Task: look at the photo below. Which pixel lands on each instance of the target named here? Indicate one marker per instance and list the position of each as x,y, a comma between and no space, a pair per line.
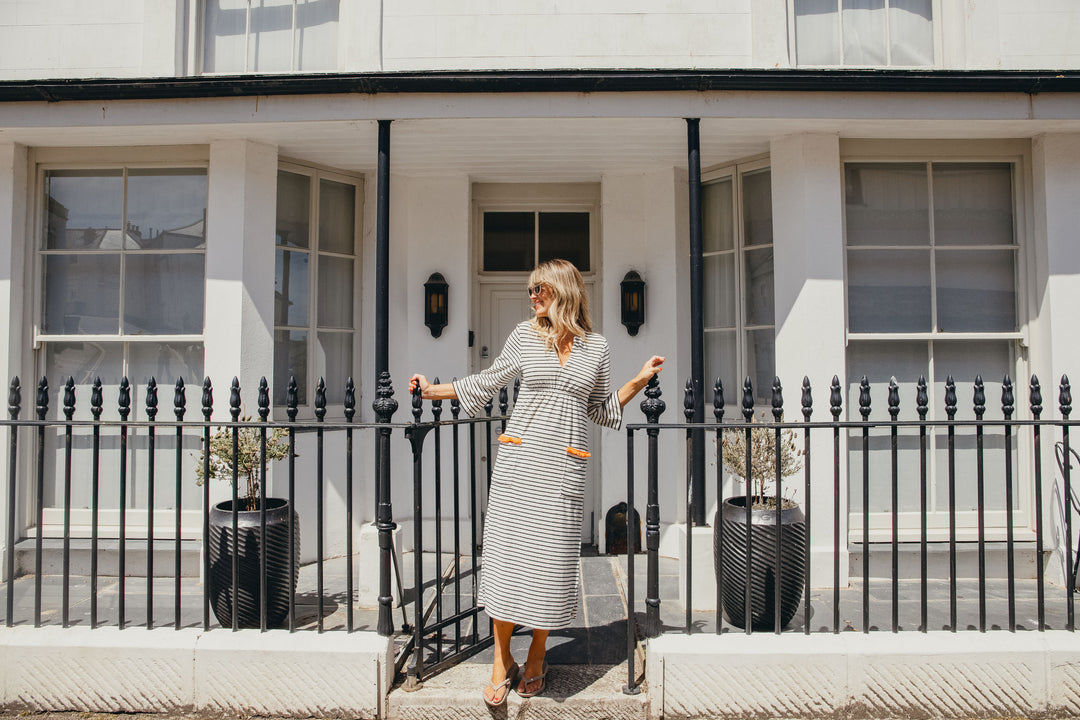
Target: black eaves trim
543,81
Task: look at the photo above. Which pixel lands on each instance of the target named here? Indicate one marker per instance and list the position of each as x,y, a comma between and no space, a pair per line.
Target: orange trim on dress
509,439
578,453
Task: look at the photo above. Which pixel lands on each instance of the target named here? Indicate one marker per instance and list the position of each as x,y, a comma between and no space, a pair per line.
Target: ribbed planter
731,563
279,585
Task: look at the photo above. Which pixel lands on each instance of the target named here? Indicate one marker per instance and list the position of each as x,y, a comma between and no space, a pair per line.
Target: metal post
384,406
652,407
697,332
382,278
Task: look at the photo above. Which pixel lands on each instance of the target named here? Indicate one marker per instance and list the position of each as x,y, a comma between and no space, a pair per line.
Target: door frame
537,197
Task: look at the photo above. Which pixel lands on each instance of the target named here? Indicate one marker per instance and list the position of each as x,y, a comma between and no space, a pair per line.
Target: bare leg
534,665
503,659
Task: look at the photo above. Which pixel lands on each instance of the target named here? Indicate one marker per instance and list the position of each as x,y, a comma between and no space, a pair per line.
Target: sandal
511,675
526,682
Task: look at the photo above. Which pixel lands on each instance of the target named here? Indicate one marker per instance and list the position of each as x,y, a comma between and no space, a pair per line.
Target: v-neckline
569,352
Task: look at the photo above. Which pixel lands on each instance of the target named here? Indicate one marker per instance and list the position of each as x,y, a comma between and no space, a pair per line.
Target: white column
808,249
1055,345
13,241
240,220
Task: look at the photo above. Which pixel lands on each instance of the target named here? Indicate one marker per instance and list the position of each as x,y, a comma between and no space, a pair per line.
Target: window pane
717,210
722,361
965,360
975,290
167,208
163,294
719,296
337,217
224,27
879,362
291,288
973,204
565,235
889,291
886,204
335,292
82,294
911,30
761,364
333,363
290,360
317,34
509,239
758,284
84,362
293,207
864,32
757,208
270,45
166,362
817,32
85,209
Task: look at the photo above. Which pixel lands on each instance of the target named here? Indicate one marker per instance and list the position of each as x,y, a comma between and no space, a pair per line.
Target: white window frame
535,198
1018,154
197,41
334,411
158,158
40,337
733,396
936,9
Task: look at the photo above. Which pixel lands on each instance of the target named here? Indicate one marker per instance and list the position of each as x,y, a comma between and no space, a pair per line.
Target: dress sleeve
475,390
604,408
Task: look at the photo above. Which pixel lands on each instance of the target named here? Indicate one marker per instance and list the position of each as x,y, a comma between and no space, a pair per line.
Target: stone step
591,692
937,560
52,557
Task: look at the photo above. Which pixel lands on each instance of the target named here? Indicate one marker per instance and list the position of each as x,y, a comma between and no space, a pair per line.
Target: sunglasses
535,290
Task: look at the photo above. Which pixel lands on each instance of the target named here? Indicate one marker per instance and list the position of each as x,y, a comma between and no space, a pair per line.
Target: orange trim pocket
578,453
510,439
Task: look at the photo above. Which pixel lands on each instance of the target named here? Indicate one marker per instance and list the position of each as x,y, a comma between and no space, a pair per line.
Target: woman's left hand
652,366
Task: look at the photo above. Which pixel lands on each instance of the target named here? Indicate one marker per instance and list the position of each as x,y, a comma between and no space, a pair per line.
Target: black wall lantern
435,306
633,301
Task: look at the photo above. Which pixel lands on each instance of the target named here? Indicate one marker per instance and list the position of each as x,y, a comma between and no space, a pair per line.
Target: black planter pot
730,563
279,585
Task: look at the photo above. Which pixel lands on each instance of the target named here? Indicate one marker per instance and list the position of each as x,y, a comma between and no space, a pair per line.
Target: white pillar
1055,345
808,250
240,220
13,200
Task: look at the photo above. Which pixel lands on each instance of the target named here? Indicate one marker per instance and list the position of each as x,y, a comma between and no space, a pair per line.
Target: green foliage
763,444
248,457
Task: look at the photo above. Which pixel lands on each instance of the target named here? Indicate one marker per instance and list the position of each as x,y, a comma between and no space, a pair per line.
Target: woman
532,537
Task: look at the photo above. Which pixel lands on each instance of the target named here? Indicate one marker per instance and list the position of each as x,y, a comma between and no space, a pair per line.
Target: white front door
503,305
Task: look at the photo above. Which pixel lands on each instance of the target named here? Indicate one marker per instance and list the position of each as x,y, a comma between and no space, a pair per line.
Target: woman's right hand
419,381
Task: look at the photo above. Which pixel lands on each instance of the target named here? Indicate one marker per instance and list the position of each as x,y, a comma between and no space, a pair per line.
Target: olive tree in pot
236,455
732,535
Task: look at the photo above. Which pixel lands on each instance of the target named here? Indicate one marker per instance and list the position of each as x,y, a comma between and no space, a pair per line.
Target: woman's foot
501,681
533,678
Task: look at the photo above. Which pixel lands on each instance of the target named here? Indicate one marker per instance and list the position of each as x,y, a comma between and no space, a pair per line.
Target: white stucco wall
156,38
808,251
644,219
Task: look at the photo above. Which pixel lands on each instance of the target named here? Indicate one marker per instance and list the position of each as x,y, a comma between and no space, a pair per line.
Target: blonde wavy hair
569,312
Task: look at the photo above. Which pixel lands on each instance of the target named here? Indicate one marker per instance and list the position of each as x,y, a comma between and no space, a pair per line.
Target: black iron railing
857,435
86,446
446,623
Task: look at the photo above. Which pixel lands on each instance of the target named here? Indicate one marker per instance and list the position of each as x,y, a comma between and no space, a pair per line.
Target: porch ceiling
508,149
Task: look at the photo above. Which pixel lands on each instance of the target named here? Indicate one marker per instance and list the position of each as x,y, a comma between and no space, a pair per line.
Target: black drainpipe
697,327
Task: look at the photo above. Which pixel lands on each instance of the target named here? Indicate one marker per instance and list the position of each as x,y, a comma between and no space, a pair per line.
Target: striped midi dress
532,535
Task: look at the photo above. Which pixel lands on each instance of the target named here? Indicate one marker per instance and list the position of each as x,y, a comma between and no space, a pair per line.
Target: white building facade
889,189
